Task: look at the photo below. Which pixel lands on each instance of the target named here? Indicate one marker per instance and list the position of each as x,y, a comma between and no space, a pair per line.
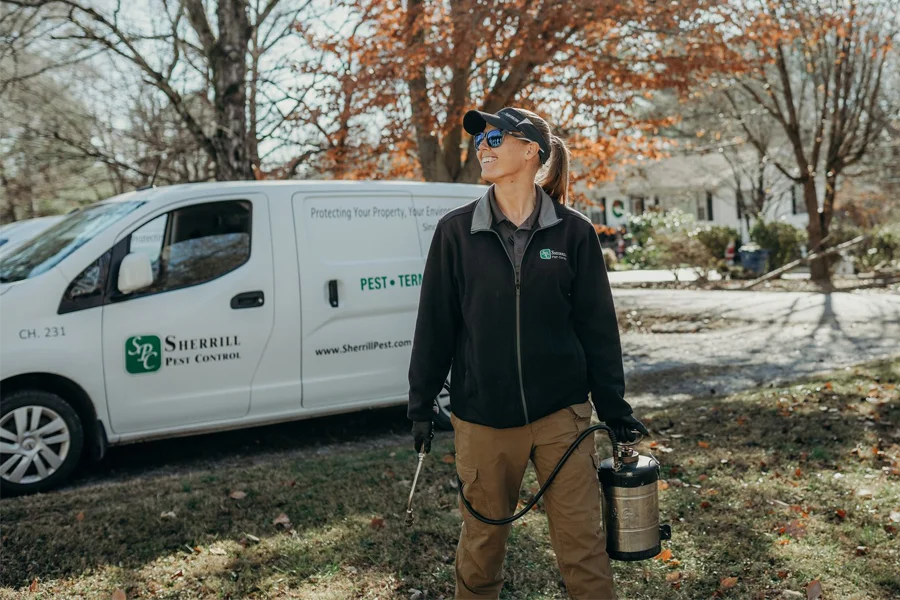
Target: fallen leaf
703,477
662,484
795,529
673,576
703,444
168,515
728,582
253,538
34,585
895,516
841,514
178,573
783,542
813,590
376,523
861,551
705,504
80,516
782,574
449,459
673,563
798,473
238,494
119,594
828,386
864,493
664,555
283,520
217,551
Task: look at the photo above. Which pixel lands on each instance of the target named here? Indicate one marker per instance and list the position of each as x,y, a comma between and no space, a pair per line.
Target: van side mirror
135,272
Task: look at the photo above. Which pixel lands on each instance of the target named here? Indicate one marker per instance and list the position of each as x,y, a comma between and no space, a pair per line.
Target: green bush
641,228
680,248
880,251
782,240
642,257
716,238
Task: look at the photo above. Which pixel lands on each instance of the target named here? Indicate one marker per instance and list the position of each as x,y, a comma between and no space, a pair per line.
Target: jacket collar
482,219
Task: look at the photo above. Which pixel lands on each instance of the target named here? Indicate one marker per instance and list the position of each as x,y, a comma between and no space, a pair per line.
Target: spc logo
143,354
548,254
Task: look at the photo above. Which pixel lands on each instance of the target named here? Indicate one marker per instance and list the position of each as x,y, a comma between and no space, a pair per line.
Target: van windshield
48,248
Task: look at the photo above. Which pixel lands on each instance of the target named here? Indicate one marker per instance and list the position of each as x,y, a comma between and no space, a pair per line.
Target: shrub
880,251
642,257
716,238
609,258
680,248
641,228
782,240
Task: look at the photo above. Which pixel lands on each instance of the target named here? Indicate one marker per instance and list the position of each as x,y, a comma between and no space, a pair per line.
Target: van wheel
40,442
442,415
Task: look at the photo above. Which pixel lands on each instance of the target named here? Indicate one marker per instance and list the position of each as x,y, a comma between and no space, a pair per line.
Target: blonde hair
554,176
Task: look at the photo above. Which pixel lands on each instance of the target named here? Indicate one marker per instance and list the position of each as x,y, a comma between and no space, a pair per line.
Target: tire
51,455
442,415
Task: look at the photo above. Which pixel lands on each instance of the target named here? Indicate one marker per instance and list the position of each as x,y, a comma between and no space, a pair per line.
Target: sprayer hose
540,492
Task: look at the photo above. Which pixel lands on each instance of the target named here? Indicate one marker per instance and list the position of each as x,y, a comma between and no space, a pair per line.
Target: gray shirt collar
499,217
482,217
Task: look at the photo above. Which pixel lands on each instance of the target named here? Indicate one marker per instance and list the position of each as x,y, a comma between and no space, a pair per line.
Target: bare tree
191,52
816,70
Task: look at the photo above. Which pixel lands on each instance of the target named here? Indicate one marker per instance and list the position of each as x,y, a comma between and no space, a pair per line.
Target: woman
515,299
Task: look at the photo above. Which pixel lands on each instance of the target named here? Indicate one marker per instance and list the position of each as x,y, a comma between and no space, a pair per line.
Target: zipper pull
518,287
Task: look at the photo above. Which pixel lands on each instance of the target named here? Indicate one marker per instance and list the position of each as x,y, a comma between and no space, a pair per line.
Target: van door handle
248,300
333,293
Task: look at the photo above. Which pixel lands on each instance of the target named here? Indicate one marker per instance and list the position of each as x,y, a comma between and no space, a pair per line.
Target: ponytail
555,180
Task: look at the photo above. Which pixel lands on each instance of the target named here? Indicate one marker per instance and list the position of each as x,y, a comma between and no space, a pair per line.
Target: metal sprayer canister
631,506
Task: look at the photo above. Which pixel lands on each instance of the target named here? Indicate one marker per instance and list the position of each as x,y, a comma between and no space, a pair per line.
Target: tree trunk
818,267
434,168
229,62
253,137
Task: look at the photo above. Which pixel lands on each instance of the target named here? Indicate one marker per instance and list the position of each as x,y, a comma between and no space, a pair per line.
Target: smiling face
512,158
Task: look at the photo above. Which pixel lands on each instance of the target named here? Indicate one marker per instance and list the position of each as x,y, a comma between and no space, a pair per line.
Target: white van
204,307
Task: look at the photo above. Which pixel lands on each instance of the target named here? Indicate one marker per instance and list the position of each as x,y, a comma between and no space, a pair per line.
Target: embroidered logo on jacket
548,254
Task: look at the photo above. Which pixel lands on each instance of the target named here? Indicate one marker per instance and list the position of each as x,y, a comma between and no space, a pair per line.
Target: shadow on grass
757,484
765,512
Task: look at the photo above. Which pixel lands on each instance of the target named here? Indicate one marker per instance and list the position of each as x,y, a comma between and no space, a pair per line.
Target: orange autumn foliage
402,78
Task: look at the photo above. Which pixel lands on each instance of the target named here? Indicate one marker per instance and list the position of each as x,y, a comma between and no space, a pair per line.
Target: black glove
423,432
623,428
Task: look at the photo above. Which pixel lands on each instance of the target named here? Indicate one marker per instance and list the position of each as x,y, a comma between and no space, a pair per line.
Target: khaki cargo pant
491,464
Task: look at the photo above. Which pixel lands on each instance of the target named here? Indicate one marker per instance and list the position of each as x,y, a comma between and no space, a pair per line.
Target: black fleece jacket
519,350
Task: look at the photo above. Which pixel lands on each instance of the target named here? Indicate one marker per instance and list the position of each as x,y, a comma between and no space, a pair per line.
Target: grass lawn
767,492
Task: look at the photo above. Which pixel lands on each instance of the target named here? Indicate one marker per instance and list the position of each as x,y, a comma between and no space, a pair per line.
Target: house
702,185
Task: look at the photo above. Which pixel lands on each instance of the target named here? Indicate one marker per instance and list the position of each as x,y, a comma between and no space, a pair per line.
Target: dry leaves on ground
813,590
728,582
282,520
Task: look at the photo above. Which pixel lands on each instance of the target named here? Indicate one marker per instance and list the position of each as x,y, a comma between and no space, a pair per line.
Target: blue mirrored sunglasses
494,137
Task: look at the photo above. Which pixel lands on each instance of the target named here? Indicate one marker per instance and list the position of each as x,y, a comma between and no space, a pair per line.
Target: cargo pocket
583,410
582,414
471,487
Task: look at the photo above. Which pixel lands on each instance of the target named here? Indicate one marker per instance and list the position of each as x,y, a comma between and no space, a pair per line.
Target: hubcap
34,443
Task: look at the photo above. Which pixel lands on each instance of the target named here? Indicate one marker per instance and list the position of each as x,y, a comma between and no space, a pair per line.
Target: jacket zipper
518,274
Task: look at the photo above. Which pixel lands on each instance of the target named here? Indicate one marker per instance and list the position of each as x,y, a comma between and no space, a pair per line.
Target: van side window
88,289
195,244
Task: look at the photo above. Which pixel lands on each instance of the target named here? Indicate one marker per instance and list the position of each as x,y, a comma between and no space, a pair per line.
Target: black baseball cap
509,119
